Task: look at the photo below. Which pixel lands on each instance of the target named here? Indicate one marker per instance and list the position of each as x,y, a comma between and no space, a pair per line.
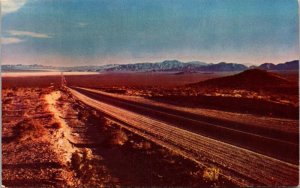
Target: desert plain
150,129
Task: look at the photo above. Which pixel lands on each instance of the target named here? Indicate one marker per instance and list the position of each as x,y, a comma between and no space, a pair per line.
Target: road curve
243,166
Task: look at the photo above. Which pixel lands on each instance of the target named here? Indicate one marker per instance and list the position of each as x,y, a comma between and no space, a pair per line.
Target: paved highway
246,157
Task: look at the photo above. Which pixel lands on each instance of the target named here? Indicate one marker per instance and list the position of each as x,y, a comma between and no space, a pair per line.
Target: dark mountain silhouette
223,67
291,65
249,79
267,66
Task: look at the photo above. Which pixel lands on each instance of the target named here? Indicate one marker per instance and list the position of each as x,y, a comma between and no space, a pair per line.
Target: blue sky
95,32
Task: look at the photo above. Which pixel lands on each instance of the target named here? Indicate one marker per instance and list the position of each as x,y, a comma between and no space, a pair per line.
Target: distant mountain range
165,66
175,65
291,65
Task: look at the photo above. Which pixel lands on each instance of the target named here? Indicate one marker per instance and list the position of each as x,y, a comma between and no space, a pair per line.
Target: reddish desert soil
139,79
267,99
171,88
108,79
30,81
49,139
28,154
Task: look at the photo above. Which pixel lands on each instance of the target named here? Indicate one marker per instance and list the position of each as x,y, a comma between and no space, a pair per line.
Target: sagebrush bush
28,129
211,173
82,164
55,125
116,138
146,145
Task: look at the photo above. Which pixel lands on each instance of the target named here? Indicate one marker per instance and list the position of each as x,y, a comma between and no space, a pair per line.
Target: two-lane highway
193,138
283,146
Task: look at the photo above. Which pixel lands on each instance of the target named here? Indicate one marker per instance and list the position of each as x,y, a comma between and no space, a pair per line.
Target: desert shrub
61,98
211,173
82,164
116,138
39,107
7,101
146,145
28,129
86,154
55,125
75,106
92,117
38,90
83,115
95,113
76,160
10,94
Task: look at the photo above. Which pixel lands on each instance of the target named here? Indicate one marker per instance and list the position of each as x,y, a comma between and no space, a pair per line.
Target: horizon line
152,62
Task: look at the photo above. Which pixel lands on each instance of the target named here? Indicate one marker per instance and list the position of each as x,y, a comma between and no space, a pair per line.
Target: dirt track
243,166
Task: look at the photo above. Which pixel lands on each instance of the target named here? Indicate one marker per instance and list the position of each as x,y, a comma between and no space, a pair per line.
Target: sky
97,32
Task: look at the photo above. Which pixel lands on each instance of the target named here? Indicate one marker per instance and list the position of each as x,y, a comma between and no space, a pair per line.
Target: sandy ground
52,140
63,134
29,155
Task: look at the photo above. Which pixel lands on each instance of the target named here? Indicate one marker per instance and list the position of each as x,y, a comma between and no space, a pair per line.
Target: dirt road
245,167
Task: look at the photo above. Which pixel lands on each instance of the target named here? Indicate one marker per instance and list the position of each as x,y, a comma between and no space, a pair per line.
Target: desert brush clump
83,115
211,174
82,164
28,129
10,94
61,99
116,138
7,101
144,145
55,125
94,118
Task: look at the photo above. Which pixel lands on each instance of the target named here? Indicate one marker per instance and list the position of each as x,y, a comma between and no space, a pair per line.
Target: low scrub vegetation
211,174
116,138
82,163
55,125
28,129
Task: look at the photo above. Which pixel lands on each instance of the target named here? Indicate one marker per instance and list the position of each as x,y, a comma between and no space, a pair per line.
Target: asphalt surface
253,158
270,142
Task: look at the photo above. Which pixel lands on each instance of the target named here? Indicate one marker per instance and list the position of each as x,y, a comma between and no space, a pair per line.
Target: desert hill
249,79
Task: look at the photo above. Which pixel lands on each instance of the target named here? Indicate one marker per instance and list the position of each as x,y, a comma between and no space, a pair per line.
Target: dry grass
9,94
29,129
144,145
117,138
76,160
211,174
7,101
